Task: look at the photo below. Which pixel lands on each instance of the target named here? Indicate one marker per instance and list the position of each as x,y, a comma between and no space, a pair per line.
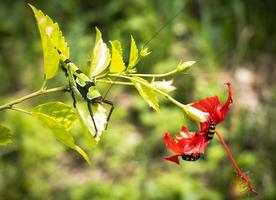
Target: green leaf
117,64
100,56
57,111
59,117
146,92
100,118
51,38
133,57
5,136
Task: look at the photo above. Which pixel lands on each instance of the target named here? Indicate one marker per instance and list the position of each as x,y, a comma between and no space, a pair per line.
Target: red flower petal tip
172,159
214,107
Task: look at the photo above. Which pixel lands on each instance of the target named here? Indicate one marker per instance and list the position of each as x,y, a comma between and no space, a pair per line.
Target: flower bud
183,66
144,52
195,113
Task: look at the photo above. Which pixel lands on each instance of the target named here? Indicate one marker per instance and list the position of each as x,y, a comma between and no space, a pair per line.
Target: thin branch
115,82
20,110
32,95
156,75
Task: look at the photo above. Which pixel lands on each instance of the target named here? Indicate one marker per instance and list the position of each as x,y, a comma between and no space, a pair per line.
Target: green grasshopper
81,85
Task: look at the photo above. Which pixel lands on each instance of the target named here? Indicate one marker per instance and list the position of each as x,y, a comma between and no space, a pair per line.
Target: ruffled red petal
185,143
208,104
229,101
196,145
172,144
214,107
172,159
184,133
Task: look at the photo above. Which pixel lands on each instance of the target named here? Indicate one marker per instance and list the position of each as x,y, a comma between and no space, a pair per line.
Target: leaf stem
156,75
20,110
44,84
115,82
32,95
240,173
153,88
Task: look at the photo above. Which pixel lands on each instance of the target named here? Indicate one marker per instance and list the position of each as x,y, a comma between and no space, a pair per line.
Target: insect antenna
164,26
146,44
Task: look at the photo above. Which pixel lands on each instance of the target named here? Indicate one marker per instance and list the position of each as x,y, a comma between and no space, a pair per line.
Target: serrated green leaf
100,56
117,64
100,118
147,93
133,57
59,117
51,60
59,112
5,136
51,38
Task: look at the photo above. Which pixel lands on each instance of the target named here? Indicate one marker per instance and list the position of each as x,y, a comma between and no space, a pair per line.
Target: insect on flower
191,145
188,145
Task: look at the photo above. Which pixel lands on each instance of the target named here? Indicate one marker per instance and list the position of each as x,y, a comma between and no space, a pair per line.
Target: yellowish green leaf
51,38
100,56
61,113
5,136
59,117
133,57
117,64
146,92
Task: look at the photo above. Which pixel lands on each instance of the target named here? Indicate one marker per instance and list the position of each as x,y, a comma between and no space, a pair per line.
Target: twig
32,95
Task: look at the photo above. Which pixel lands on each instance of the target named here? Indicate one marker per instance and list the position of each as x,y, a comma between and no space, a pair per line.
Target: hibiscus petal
184,133
229,101
197,145
172,144
208,105
214,107
172,159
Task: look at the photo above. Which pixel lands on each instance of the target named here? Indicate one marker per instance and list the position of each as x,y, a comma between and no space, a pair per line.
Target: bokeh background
230,40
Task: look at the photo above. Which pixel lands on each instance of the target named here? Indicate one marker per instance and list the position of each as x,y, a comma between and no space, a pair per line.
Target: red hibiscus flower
191,145
214,108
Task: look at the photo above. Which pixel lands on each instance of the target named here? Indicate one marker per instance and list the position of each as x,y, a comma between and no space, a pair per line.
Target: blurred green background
230,40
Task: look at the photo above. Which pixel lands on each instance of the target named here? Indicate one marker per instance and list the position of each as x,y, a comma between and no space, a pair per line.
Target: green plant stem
153,88
44,84
21,110
115,82
32,95
156,75
101,76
